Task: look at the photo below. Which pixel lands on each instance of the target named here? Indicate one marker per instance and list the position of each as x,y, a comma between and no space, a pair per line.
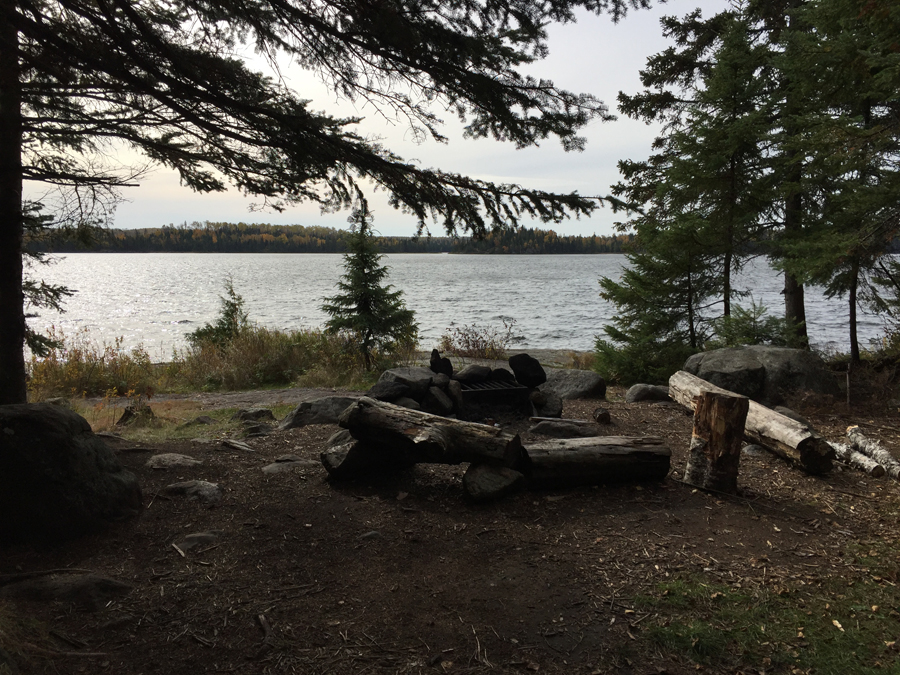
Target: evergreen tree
82,79
371,313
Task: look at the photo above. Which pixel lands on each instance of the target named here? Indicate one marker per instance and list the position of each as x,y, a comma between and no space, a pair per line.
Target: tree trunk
423,437
859,461
874,449
716,441
593,461
854,337
12,315
787,438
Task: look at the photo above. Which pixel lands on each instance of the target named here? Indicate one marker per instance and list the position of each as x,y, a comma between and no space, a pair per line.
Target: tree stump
716,441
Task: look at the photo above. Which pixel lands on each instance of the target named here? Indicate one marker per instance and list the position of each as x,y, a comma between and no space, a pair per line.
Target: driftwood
873,449
716,441
787,438
592,461
857,460
423,437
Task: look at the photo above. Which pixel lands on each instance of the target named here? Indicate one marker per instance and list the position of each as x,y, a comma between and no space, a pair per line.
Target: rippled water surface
155,298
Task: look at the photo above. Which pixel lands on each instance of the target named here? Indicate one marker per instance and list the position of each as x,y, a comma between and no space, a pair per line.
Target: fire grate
494,392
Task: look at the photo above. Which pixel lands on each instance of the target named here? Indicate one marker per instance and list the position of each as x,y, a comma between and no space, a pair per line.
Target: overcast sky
593,55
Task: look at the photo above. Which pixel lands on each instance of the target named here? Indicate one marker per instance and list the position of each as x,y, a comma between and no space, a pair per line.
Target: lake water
155,298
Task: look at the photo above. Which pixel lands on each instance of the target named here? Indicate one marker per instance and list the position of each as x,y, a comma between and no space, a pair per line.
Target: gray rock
564,429
454,391
87,591
388,391
171,460
237,445
254,415
502,375
546,403
437,402
646,392
200,419
289,463
765,374
195,490
410,403
325,410
571,384
472,373
486,483
753,450
528,370
787,412
57,479
417,378
440,380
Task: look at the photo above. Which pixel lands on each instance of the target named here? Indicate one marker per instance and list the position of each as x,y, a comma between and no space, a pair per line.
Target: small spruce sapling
372,314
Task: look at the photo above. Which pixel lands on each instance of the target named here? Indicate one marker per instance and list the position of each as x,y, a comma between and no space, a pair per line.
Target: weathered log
857,460
787,438
593,461
423,437
716,441
872,448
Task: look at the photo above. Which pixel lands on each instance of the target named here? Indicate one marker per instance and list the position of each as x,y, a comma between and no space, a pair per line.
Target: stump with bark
716,441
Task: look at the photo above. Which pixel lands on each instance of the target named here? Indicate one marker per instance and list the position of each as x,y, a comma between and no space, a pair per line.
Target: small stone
486,483
198,539
170,460
647,392
254,414
195,490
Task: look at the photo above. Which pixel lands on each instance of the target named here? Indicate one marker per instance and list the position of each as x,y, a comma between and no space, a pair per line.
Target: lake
155,298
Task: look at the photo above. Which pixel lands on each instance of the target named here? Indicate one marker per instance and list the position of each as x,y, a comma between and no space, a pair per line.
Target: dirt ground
403,574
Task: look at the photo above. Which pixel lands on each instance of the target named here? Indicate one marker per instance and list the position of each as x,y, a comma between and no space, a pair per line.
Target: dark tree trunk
12,316
854,338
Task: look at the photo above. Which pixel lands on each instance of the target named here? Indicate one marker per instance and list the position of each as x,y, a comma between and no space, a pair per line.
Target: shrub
489,342
751,326
78,366
231,323
646,361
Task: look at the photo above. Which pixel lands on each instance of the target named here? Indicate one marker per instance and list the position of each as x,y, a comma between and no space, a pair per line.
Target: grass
170,422
255,358
830,626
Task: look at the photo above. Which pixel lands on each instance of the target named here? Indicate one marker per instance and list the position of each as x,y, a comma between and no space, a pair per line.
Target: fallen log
571,462
787,438
422,437
873,449
715,453
857,460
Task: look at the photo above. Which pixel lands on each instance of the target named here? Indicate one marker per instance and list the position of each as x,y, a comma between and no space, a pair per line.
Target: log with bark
593,461
787,438
857,460
716,441
874,450
422,437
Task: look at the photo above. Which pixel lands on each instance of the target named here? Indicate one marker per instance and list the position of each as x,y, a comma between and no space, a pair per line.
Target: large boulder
768,375
325,410
417,378
571,383
57,479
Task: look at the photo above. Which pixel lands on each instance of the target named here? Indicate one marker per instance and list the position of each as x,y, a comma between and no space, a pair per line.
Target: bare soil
403,574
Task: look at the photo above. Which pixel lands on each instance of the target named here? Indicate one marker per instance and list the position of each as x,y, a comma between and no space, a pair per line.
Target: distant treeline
254,238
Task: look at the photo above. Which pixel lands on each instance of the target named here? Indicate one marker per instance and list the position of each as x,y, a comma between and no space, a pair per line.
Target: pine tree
82,79
370,312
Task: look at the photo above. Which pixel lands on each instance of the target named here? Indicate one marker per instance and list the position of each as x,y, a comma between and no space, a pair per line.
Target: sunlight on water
155,298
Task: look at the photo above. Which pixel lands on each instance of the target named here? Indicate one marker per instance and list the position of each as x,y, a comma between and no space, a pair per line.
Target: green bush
231,323
752,326
645,361
477,342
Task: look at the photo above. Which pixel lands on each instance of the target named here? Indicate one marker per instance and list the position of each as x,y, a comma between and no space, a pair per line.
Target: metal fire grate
494,392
